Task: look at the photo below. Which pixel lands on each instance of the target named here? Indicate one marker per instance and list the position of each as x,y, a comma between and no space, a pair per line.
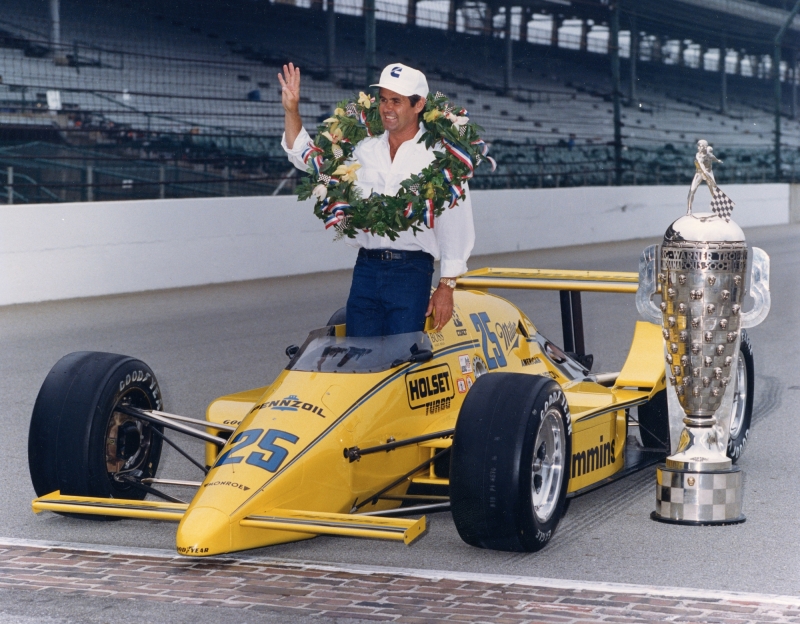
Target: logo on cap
395,73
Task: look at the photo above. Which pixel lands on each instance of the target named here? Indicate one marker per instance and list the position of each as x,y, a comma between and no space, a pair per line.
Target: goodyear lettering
191,550
238,486
289,404
594,458
427,386
231,422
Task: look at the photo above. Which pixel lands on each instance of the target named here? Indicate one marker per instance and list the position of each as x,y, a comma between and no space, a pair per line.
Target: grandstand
180,99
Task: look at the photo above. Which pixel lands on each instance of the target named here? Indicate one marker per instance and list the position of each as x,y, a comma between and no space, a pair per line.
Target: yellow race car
487,418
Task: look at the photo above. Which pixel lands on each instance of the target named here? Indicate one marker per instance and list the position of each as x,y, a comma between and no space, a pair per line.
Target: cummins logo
428,385
594,458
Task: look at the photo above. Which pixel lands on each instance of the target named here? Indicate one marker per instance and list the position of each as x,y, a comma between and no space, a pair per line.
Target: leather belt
394,254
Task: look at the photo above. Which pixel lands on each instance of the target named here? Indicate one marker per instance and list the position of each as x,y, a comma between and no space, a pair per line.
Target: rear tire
77,442
510,460
742,409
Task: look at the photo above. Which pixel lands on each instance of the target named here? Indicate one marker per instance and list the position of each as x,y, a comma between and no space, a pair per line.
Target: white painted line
433,575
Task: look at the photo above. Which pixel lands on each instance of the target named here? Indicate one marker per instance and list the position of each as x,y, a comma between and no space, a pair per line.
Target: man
390,292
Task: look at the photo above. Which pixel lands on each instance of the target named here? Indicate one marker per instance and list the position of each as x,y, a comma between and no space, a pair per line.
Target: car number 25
276,454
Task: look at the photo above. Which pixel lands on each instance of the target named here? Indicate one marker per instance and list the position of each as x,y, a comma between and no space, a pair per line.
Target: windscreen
324,353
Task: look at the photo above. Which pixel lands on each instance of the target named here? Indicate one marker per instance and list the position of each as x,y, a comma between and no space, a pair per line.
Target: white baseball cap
403,80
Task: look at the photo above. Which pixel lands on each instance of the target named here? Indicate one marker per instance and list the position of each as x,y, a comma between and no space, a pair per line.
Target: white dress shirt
453,234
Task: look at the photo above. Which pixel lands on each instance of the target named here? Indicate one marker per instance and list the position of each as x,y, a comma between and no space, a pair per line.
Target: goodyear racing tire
77,442
510,461
742,410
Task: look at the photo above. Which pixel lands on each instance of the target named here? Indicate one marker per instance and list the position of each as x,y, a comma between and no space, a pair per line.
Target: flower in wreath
348,172
432,115
364,100
457,120
320,192
334,135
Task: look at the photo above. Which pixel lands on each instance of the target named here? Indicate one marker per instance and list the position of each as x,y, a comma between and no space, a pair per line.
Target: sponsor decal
465,363
290,404
231,422
457,320
238,486
490,343
436,337
439,405
469,382
462,386
429,387
192,550
594,458
508,332
461,332
530,361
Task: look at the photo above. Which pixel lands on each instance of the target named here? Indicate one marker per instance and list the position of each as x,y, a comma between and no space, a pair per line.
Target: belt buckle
387,255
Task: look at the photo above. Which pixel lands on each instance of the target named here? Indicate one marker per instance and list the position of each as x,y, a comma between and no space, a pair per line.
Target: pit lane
208,341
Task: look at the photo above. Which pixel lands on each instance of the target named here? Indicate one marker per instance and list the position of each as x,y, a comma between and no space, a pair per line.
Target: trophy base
698,498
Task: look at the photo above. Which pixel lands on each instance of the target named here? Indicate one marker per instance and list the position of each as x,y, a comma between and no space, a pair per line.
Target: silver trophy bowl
700,272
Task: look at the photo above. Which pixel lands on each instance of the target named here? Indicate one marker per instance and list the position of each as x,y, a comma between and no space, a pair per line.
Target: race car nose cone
204,531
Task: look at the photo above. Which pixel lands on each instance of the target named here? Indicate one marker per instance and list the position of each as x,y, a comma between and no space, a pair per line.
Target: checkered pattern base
698,497
721,204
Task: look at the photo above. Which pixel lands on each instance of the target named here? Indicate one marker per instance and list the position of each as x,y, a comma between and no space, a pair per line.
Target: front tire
510,460
78,443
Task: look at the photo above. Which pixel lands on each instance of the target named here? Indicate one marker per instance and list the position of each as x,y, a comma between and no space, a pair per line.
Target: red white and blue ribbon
316,161
461,154
337,205
337,213
362,117
484,149
428,213
408,212
455,189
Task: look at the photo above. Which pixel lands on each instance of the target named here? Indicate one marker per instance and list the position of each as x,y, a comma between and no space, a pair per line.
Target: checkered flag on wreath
721,204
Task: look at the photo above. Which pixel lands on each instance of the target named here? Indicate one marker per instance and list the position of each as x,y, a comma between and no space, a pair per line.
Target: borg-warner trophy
700,272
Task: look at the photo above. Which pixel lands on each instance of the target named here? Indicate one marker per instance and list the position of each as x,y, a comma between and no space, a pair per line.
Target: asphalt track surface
208,341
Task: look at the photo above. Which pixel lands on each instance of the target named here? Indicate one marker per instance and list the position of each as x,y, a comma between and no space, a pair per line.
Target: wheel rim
547,466
739,397
128,440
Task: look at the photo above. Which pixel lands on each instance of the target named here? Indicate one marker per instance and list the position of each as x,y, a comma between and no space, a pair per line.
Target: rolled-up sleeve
455,235
295,152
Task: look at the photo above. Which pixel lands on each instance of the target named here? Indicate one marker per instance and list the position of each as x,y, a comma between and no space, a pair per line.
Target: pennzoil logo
594,458
431,388
290,404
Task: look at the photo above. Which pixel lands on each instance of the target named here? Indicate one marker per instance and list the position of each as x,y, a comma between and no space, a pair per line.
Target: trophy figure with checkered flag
700,271
721,204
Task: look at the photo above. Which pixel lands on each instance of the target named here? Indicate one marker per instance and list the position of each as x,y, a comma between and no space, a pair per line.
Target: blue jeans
390,292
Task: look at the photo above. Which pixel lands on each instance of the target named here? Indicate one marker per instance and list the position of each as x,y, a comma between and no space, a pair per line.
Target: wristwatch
448,282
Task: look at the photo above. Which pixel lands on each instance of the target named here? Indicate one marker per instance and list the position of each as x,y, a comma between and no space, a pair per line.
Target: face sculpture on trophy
700,271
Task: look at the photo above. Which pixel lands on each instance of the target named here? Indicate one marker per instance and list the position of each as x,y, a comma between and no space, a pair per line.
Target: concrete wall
58,251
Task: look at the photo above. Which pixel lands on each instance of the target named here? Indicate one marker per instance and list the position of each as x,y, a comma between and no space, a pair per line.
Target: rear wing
550,279
569,283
